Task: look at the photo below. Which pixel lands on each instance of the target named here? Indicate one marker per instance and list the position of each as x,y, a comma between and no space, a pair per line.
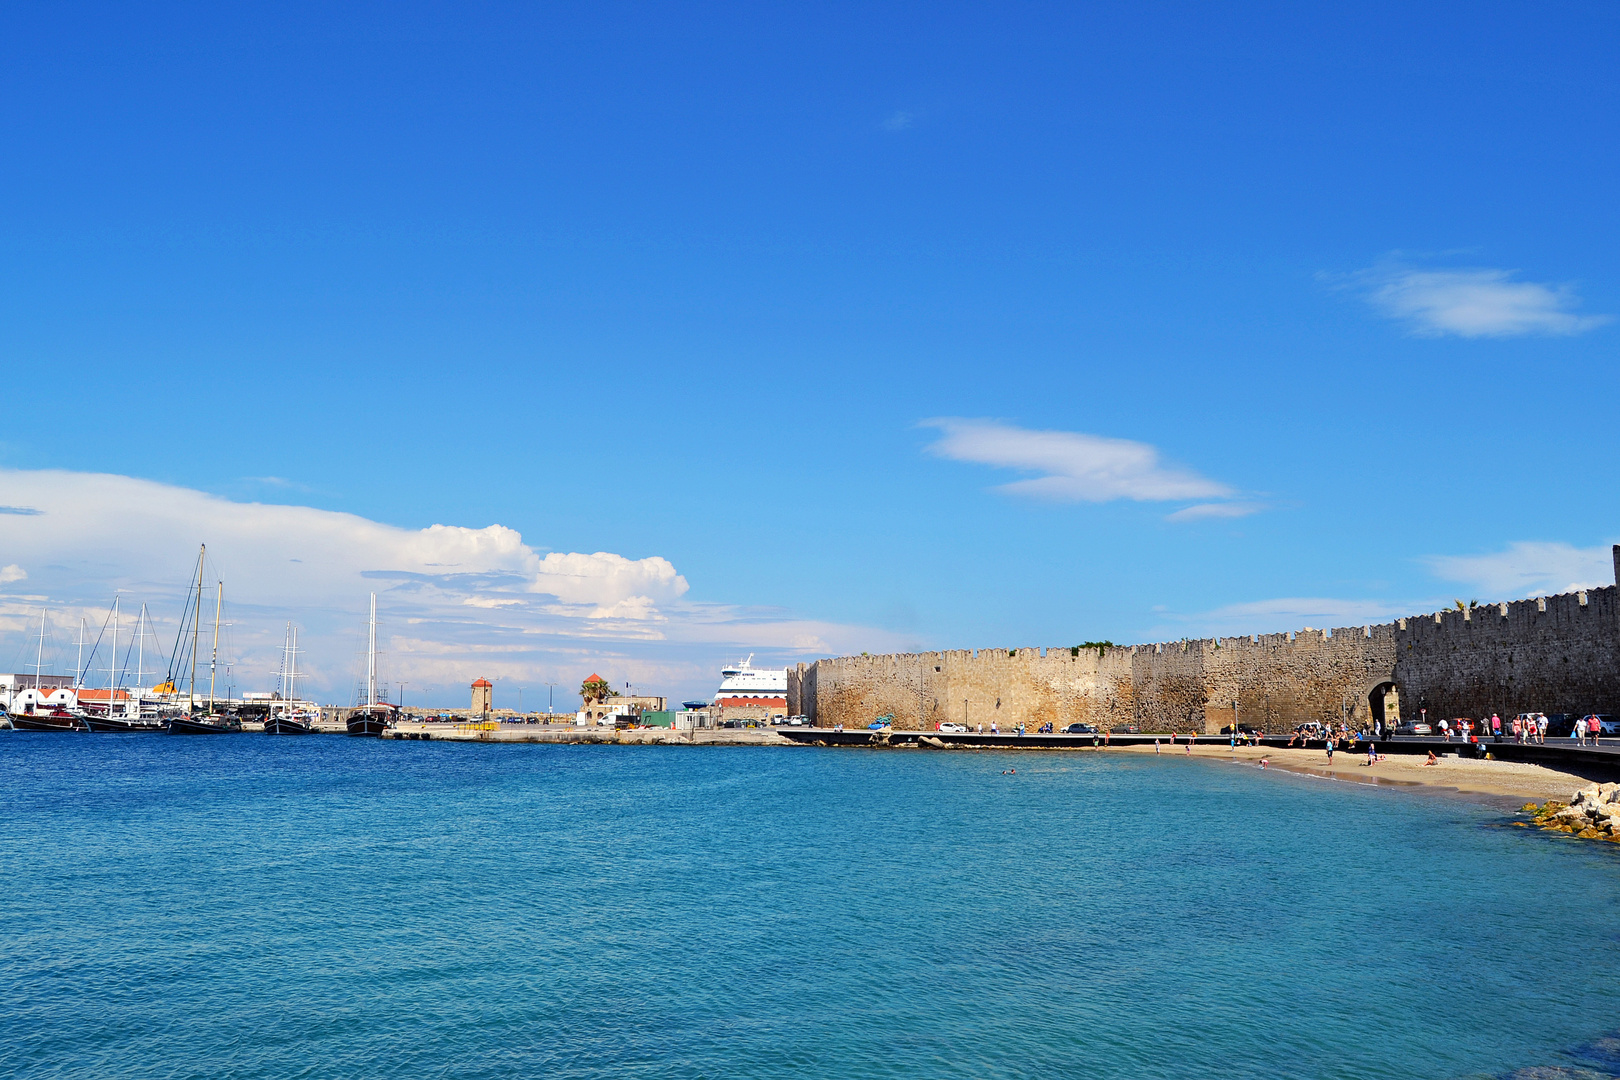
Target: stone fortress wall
1552,654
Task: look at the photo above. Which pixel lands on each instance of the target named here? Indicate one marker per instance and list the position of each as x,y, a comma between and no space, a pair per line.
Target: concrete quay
572,734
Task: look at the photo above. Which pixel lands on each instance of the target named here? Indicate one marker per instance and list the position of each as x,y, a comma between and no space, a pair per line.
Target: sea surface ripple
250,906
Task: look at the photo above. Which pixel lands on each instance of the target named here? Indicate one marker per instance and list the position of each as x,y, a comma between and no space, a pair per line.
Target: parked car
1127,729
798,721
953,729
1414,727
1080,729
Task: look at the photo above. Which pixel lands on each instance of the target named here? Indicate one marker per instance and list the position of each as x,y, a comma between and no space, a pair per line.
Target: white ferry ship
744,684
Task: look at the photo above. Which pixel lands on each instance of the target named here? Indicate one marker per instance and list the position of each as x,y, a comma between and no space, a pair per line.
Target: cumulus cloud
1529,568
1075,467
456,603
1472,302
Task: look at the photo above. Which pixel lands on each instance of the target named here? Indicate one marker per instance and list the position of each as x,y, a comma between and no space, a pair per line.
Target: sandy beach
1500,780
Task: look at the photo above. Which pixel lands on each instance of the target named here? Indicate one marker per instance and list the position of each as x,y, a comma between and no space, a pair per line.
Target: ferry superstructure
744,684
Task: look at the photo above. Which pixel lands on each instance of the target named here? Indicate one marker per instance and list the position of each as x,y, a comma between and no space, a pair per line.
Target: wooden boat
289,721
121,723
286,724
54,720
372,721
373,718
204,725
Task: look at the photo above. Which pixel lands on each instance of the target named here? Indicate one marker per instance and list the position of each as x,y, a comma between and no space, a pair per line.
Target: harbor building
482,695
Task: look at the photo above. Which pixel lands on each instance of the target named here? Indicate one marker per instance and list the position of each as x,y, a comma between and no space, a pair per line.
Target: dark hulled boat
54,720
286,725
204,725
371,721
121,724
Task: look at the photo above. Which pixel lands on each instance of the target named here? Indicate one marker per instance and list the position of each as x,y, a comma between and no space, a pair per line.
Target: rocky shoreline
1593,814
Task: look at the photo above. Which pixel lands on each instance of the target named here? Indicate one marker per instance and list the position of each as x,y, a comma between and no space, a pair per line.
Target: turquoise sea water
249,906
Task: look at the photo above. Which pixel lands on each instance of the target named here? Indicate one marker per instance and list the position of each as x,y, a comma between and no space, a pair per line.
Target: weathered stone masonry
1552,654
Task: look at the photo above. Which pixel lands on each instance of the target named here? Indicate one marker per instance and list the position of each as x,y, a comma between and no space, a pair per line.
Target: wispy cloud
20,511
456,603
898,120
1207,511
1076,467
1278,615
1471,302
1529,568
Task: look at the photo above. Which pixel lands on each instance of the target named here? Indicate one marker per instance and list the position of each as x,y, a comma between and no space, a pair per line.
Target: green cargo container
666,718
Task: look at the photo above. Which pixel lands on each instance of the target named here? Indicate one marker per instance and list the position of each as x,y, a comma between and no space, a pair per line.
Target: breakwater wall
1549,654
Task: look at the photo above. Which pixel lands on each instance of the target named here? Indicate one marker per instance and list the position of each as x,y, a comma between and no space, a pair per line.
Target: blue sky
786,298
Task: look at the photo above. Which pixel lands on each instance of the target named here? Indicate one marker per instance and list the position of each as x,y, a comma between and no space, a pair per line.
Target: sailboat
209,723
103,719
288,721
372,718
36,715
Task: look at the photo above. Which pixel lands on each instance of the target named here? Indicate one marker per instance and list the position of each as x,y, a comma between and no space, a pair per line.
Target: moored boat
52,720
204,725
121,723
286,724
371,721
374,717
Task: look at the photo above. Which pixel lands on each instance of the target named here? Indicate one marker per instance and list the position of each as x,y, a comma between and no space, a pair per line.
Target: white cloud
1473,302
1204,511
11,573
898,120
1529,568
1080,468
455,603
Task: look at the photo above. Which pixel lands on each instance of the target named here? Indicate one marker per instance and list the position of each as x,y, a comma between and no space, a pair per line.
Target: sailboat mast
140,647
292,668
196,630
78,667
371,658
213,657
112,664
39,660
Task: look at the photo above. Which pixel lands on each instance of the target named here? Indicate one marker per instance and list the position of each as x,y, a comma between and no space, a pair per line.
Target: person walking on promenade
1541,729
1496,726
1595,726
1516,733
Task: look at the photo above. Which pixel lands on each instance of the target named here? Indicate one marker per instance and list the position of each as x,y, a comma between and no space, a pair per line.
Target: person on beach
1372,753
1156,749
1432,759
1189,745
1330,750
1262,763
